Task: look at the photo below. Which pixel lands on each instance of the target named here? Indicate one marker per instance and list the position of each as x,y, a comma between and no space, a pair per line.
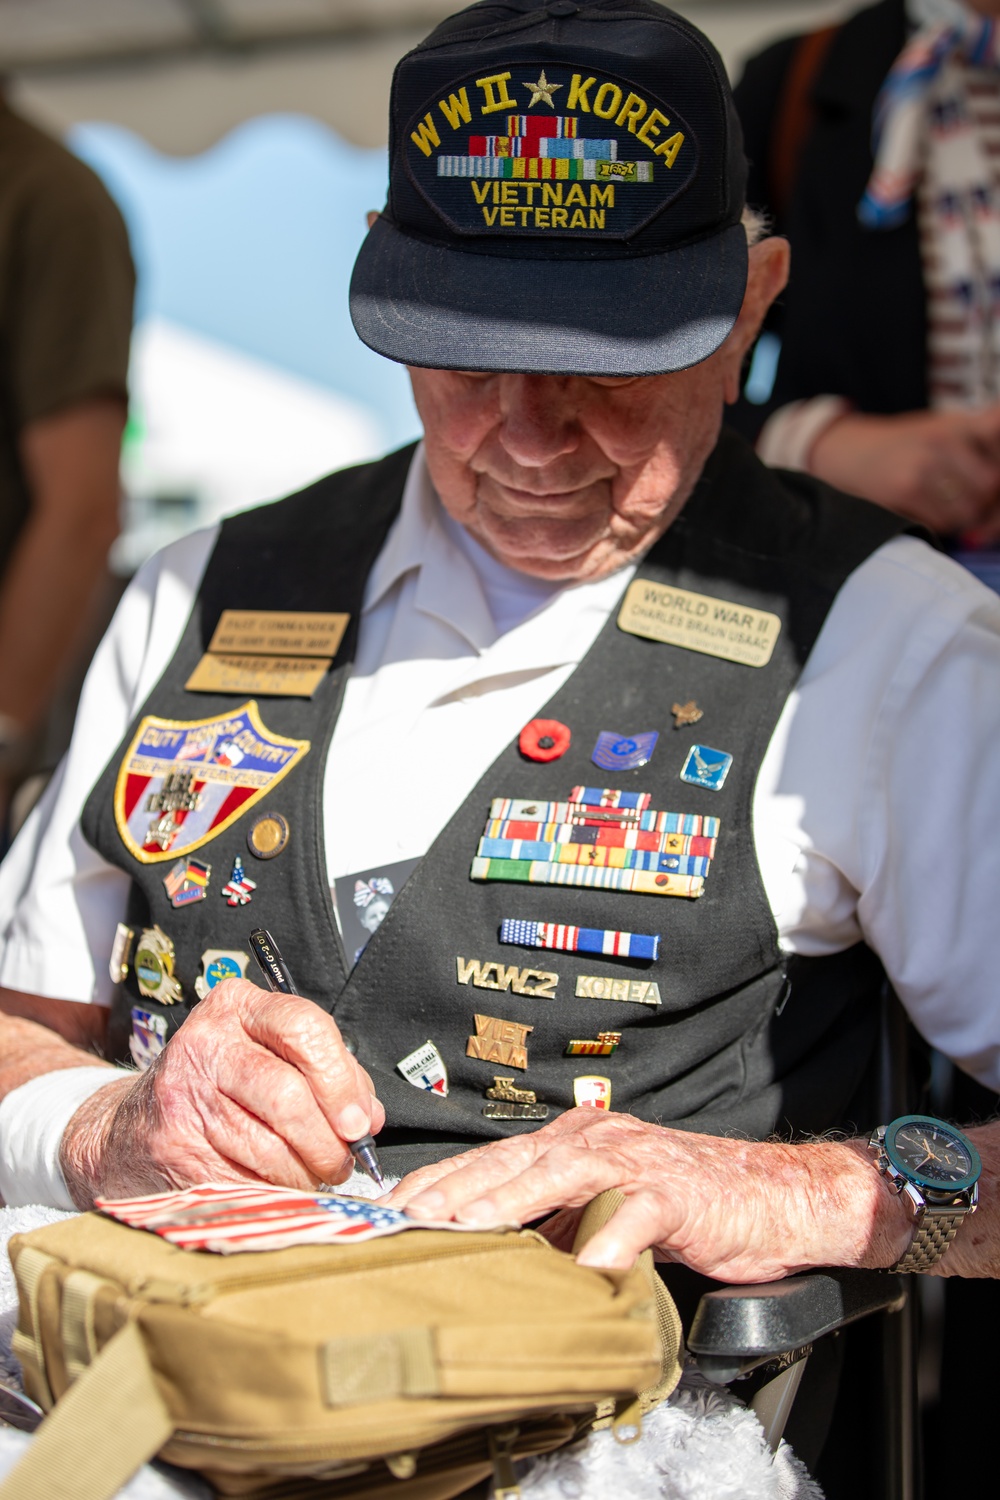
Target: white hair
756,224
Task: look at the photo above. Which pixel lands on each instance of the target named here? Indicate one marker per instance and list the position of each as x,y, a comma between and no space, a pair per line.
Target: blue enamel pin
706,767
623,752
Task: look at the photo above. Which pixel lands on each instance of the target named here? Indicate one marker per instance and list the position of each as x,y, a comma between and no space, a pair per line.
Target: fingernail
426,1205
352,1123
484,1210
602,1260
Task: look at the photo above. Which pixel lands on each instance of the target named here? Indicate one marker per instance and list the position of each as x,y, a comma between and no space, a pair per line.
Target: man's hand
253,1087
939,468
735,1210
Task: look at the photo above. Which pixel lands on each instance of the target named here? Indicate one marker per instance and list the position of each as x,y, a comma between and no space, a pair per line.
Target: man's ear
767,277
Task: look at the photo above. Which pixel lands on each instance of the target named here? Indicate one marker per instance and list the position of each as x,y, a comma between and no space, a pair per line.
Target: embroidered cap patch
548,149
182,782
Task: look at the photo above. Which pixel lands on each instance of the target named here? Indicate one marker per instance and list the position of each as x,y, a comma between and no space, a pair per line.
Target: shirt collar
448,588
447,585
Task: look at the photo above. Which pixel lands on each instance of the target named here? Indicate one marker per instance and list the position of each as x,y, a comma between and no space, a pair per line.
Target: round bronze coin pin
268,835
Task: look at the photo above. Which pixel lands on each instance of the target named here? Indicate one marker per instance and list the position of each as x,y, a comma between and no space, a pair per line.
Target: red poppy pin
544,739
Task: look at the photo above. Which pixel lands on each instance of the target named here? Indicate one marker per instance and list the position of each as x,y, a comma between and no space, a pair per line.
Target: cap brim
449,309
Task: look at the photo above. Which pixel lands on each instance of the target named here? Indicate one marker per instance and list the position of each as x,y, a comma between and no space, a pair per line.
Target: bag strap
107,1425
794,117
594,1217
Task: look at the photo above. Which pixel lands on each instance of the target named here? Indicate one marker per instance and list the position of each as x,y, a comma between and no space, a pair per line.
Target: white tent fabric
226,61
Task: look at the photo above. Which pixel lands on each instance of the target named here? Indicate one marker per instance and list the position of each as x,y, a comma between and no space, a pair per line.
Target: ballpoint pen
278,978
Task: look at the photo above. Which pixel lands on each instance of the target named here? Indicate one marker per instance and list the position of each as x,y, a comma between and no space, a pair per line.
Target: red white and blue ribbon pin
567,939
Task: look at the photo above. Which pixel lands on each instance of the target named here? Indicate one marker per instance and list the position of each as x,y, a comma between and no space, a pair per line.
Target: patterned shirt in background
963,367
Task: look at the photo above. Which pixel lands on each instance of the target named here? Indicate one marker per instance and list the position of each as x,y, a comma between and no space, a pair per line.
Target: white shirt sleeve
787,437
878,803
60,901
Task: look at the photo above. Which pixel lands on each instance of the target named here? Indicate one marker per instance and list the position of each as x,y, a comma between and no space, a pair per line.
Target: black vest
745,1041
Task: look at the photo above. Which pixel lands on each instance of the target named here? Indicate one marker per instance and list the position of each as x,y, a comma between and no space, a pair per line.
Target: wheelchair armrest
740,1327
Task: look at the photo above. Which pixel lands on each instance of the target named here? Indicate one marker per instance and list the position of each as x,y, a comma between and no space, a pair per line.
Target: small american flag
227,1218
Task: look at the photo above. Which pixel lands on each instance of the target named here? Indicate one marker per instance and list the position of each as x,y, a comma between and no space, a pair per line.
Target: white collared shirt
875,812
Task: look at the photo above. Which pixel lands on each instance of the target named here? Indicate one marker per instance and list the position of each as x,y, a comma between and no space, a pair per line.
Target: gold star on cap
686,713
543,89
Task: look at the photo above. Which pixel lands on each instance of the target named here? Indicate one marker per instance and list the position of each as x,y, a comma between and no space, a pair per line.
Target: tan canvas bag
412,1366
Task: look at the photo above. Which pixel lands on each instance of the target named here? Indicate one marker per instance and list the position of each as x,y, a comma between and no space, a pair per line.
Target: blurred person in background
888,381
66,289
875,147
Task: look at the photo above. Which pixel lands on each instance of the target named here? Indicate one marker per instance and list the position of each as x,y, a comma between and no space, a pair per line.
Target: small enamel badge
187,881
154,967
623,752
592,1090
425,1069
544,739
706,767
606,1043
121,952
268,835
148,1039
238,889
509,1103
686,714
218,964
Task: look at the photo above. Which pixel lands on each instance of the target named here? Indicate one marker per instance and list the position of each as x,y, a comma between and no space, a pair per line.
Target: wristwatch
937,1168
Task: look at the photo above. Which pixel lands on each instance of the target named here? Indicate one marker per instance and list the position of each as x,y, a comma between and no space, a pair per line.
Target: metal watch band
936,1232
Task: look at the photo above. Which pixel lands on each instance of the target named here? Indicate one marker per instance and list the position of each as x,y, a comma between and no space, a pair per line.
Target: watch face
932,1154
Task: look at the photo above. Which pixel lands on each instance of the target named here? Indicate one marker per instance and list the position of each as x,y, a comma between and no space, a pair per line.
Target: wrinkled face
567,477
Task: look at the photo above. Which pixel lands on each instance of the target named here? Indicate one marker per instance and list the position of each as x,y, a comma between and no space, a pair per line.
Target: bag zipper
462,1444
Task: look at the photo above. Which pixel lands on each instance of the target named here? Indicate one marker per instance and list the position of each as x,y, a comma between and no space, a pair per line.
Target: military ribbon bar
594,855
595,877
604,837
592,796
554,935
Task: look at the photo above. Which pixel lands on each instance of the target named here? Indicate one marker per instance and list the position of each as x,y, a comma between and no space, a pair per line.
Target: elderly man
676,745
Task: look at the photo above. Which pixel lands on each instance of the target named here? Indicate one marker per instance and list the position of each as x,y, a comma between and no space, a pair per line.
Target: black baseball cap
566,183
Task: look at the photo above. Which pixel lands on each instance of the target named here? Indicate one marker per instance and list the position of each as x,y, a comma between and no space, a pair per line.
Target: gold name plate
280,654
251,632
699,622
271,676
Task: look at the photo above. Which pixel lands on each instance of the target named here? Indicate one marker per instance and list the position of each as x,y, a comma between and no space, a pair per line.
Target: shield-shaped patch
182,782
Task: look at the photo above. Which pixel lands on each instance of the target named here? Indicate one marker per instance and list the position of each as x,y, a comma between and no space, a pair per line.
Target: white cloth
32,1120
874,814
787,438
